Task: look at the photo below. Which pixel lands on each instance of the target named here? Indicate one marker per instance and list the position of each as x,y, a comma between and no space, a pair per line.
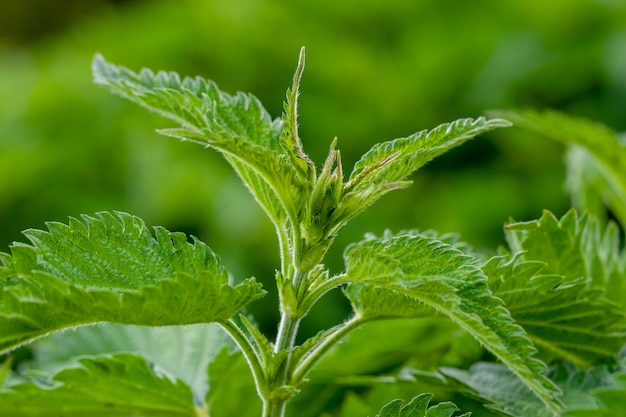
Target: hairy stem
283,244
250,354
285,341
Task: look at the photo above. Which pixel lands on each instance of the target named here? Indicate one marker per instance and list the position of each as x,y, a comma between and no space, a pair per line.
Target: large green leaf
420,275
231,381
111,269
237,125
203,356
606,147
121,385
182,352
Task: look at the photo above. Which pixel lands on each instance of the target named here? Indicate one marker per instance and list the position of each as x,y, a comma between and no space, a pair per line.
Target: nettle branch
112,269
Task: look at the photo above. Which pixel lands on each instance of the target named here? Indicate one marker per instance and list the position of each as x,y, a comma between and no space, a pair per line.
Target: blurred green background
376,70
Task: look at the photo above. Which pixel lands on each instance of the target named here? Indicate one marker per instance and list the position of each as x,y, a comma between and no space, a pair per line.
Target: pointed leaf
428,274
237,125
604,145
290,140
575,248
558,284
387,165
120,385
418,407
111,268
195,103
555,242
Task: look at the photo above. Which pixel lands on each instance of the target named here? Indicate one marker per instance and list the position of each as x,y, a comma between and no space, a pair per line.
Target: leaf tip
98,65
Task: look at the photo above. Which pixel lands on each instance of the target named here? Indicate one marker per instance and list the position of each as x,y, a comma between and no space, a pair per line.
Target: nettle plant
541,308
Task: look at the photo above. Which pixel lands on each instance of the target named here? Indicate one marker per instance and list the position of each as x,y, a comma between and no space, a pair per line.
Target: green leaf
575,248
564,318
418,407
498,388
4,370
501,391
354,406
417,274
555,242
611,401
195,103
290,140
182,352
386,165
232,390
586,182
236,125
123,385
111,269
605,146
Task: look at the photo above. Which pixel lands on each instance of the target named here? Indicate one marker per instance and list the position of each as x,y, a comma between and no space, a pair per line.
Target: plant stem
283,244
287,330
285,341
249,353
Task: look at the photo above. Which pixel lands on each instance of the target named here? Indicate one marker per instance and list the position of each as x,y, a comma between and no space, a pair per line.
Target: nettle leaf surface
501,391
355,406
565,319
418,407
119,385
181,352
564,283
236,125
606,147
110,268
386,165
409,275
576,248
268,155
